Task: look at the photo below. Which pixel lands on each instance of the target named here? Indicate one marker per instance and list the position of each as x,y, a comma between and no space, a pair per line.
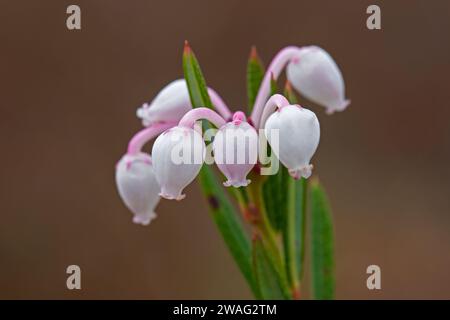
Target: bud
171,103
178,155
137,186
299,134
235,150
314,74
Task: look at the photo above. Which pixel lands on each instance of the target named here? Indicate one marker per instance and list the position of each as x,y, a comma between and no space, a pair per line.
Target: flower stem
276,66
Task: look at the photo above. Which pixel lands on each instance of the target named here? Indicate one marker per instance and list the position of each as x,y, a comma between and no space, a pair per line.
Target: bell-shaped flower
298,133
314,74
137,186
171,103
235,149
178,155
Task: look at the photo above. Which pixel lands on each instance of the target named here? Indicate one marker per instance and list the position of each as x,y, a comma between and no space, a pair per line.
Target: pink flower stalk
235,150
312,72
172,103
179,152
299,134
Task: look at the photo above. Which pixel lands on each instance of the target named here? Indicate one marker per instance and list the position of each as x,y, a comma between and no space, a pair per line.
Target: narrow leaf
268,279
289,93
221,209
198,91
294,227
275,186
228,223
322,245
255,74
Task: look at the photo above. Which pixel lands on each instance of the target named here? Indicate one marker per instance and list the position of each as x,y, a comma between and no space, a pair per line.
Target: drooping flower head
235,150
178,155
298,131
314,74
137,186
179,152
173,102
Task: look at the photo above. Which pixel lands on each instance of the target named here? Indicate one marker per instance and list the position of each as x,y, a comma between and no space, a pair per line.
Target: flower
137,186
235,150
314,74
171,103
299,134
178,155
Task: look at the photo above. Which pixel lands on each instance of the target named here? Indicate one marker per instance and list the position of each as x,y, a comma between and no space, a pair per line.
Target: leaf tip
187,47
288,86
253,53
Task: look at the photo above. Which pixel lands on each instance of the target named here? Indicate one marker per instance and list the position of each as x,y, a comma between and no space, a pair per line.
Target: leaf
301,192
269,282
295,218
198,91
221,209
228,223
275,197
322,245
255,75
289,93
275,186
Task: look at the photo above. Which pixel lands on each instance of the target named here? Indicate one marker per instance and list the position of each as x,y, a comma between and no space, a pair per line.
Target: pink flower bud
178,155
171,103
235,150
137,186
314,74
299,134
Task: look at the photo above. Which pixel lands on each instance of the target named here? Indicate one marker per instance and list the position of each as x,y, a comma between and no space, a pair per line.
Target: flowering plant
272,198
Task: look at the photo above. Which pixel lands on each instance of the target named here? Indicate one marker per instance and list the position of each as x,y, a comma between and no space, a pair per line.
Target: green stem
294,235
302,236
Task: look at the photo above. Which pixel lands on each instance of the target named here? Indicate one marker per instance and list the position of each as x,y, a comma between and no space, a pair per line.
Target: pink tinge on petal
172,195
302,172
237,183
144,218
238,117
339,107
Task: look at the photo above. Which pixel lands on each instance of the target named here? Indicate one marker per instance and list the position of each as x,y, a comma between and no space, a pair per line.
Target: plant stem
302,236
289,238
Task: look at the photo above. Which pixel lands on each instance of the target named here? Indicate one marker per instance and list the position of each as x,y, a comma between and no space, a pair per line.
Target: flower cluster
179,150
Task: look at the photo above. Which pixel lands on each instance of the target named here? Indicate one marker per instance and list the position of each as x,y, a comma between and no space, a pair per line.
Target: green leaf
275,186
275,197
198,91
228,223
270,284
289,93
301,192
273,85
221,209
255,75
321,244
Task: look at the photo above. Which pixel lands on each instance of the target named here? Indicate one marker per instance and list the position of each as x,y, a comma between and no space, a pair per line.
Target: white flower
171,103
178,155
235,150
314,74
137,186
299,134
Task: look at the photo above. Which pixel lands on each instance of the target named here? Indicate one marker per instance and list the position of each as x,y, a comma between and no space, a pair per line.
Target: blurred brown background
68,101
